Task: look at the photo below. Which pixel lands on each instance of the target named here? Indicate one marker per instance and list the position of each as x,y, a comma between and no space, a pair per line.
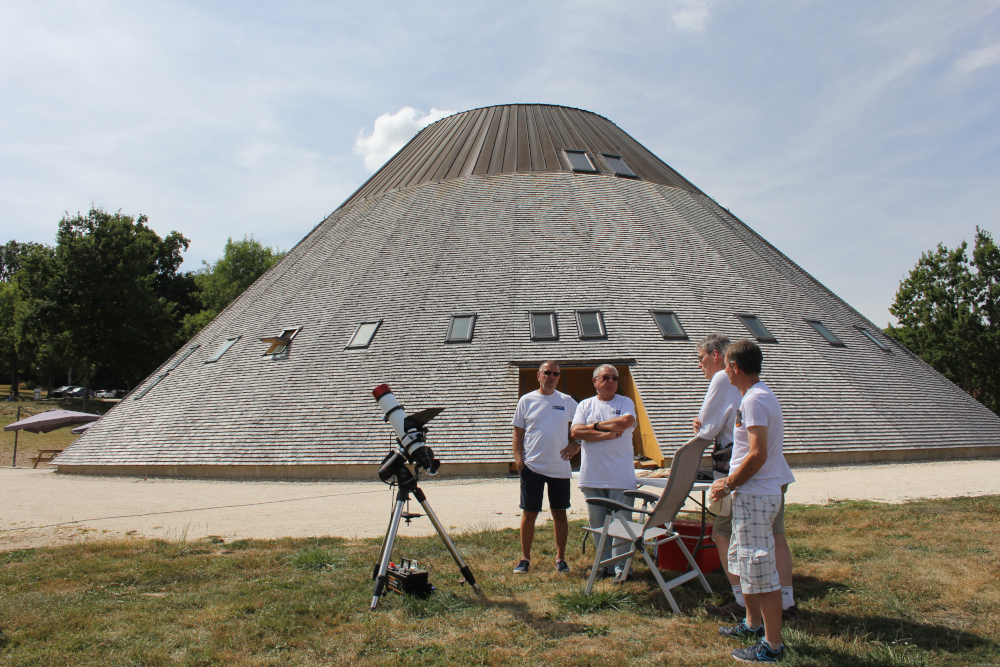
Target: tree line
107,304
948,313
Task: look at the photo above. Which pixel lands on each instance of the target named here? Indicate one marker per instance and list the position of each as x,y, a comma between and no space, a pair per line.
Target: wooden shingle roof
412,252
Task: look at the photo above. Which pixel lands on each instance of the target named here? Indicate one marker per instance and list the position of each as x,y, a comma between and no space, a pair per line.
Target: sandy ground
42,508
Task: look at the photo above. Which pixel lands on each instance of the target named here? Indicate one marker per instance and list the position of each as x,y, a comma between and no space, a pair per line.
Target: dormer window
280,343
580,161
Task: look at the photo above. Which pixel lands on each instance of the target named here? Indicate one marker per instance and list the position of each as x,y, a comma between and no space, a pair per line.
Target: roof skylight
757,328
830,337
590,324
226,344
870,336
618,166
460,328
669,324
543,325
363,335
580,161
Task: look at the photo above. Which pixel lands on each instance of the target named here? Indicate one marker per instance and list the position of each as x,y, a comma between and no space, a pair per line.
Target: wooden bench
44,456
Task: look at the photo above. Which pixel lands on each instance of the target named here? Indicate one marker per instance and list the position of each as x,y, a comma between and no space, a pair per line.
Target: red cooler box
669,556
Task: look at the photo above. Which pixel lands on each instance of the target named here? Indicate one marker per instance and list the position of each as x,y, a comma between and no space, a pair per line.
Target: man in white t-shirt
542,450
604,423
716,420
757,473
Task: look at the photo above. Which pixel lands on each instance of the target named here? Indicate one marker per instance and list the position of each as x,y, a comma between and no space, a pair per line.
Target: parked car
77,392
63,392
107,393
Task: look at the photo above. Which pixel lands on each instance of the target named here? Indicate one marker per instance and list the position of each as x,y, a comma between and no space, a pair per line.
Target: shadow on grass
926,636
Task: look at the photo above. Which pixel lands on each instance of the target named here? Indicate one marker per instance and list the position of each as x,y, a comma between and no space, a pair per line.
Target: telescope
410,431
411,447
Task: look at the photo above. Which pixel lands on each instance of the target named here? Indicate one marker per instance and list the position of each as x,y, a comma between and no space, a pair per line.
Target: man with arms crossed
542,451
715,421
605,423
757,472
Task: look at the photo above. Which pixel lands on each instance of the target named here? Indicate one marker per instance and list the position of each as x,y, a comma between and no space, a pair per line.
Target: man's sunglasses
554,374
609,378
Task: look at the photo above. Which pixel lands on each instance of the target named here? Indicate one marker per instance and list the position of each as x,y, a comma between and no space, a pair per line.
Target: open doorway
577,381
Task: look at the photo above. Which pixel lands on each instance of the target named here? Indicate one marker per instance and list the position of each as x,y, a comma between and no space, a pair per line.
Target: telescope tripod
407,485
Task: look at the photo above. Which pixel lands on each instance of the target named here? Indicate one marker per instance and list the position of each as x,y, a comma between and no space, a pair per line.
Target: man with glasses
758,472
542,450
604,423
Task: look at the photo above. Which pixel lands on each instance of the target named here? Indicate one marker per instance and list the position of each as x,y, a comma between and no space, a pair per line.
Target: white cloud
390,133
984,57
691,15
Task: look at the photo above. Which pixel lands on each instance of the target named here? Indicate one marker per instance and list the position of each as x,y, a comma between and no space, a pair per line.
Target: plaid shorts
751,549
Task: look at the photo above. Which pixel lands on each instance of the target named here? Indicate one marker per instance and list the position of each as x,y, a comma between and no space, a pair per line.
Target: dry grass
878,585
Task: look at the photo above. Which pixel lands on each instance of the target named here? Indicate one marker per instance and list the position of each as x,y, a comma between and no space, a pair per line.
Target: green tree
15,354
949,315
104,293
242,263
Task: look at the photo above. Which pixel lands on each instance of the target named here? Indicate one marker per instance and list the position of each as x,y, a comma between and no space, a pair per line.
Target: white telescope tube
395,415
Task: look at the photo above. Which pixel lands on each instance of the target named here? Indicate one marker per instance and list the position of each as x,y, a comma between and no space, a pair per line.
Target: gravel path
41,508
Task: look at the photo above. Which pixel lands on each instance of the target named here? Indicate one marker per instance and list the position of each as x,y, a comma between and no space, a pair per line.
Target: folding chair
619,528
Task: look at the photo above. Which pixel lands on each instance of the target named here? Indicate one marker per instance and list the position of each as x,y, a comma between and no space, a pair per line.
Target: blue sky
852,135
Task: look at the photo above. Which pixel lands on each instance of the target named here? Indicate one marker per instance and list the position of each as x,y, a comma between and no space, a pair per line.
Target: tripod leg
383,566
462,567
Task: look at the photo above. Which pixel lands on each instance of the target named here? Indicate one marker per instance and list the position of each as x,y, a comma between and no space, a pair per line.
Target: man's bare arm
750,465
585,432
518,443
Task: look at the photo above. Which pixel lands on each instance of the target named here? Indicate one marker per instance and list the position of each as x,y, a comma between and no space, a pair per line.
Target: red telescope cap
380,391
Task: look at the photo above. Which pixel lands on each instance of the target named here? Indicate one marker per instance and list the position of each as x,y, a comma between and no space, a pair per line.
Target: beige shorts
723,525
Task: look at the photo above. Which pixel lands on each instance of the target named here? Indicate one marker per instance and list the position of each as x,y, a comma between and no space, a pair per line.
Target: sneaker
728,609
621,578
742,631
759,652
562,567
522,567
791,614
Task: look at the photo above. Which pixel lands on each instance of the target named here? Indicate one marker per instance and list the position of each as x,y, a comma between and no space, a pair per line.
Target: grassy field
912,584
29,443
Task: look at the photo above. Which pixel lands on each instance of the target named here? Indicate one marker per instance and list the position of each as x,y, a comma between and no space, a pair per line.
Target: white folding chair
620,529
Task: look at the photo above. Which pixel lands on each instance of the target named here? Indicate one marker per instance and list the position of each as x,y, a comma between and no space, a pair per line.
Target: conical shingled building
498,238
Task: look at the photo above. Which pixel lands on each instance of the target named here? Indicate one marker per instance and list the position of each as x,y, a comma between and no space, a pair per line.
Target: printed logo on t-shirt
616,413
559,407
739,417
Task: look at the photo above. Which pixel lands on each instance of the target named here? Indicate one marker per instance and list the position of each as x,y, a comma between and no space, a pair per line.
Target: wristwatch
598,429
728,489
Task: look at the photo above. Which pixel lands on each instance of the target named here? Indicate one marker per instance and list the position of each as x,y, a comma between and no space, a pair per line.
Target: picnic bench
44,456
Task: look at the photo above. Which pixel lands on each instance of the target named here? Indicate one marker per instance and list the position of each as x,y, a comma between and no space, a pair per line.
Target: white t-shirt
545,420
606,464
718,410
760,407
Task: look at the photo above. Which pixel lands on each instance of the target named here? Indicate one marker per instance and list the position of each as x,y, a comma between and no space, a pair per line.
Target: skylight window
590,324
826,333
280,343
364,334
226,344
580,161
757,328
543,325
618,166
868,334
669,324
177,362
460,329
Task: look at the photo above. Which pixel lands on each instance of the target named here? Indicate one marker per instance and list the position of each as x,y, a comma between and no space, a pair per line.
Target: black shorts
532,486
